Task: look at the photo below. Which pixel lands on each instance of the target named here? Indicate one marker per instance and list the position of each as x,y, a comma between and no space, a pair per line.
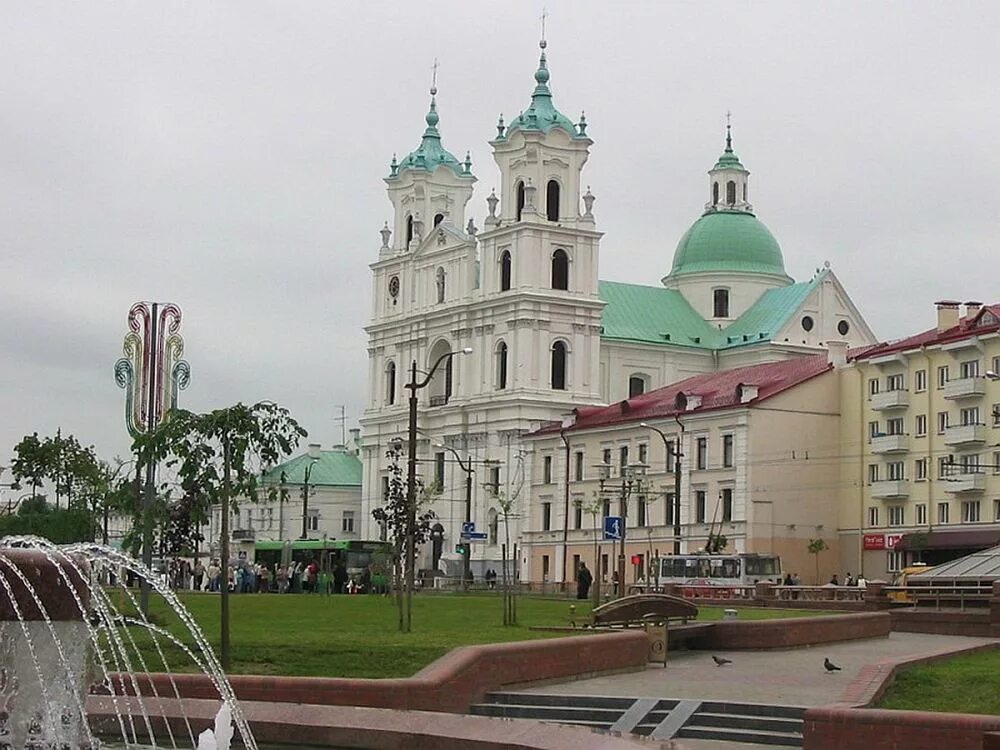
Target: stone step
738,735
742,721
576,701
752,709
582,715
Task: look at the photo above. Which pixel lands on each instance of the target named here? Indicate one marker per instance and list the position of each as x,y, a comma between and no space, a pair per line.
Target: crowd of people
248,577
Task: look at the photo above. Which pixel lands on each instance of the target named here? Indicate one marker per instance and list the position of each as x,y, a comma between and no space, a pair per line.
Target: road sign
468,527
614,527
475,536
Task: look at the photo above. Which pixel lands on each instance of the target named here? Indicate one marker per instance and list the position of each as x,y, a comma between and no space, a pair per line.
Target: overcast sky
229,156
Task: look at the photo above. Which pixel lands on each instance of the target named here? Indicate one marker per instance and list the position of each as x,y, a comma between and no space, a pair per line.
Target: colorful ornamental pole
152,371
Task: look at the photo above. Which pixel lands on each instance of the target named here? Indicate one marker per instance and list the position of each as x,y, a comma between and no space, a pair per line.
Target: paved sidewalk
790,677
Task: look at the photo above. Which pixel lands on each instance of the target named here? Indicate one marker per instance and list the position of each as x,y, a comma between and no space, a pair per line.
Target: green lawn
967,684
357,636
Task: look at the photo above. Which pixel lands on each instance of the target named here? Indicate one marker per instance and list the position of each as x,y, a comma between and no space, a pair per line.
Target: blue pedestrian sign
468,527
614,527
474,536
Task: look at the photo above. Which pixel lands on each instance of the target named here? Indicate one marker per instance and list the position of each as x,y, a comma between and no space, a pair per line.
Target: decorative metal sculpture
152,371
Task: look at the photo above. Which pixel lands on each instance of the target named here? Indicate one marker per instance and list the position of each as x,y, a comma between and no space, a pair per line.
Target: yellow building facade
920,445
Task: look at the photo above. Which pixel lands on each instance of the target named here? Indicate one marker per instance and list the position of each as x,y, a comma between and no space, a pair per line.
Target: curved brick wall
842,728
791,632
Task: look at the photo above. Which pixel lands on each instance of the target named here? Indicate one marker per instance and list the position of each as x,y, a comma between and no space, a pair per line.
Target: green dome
728,241
430,154
542,114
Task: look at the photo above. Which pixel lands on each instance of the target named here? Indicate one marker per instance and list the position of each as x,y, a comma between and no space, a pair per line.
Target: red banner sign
874,541
891,540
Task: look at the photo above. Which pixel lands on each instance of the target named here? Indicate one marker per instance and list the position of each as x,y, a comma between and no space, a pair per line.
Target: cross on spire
729,132
434,77
544,15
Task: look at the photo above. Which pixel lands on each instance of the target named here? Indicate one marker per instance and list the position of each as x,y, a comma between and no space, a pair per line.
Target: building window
494,484
970,368
921,509
313,520
996,510
873,430
996,462
347,522
671,455
872,473
942,421
576,566
643,453
807,323
606,508
727,504
995,411
501,365
920,468
519,191
547,470
505,271
727,451
970,463
559,366
552,202
578,515
546,516
920,425
640,513
390,383
622,459
715,194
894,561
970,511
731,193
439,281
894,382
873,386
720,302
920,380
894,426
702,453
942,376
409,229
943,513
606,457
439,470
843,327
578,466
636,385
896,515
969,416
560,270
699,506
385,489
896,472
669,507
545,568
873,516
944,466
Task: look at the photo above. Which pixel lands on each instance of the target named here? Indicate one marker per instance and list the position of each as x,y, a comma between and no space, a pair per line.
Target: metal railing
945,596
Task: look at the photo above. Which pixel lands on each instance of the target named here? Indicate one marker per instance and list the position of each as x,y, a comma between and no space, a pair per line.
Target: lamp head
467,350
990,375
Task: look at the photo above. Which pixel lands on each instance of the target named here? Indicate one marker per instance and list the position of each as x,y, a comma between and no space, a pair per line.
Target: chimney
972,309
355,444
947,314
836,353
314,450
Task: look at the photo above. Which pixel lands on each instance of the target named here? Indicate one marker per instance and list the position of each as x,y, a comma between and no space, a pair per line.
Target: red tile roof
966,328
718,390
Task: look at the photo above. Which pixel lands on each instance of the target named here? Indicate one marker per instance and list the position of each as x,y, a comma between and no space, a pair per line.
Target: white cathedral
534,331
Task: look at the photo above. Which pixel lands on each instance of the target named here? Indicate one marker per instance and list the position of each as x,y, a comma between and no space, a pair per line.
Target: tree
32,462
392,517
73,470
815,547
507,504
218,456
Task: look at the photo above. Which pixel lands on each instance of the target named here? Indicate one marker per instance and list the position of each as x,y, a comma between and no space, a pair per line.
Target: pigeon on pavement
830,666
721,661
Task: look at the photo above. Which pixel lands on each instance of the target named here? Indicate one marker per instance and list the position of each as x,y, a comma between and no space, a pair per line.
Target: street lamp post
305,499
411,474
467,549
677,479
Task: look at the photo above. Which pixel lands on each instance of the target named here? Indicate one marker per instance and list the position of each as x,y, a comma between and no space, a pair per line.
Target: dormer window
720,303
520,198
552,201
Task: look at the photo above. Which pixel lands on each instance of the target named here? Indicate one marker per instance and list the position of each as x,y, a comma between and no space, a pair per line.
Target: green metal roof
336,468
729,160
728,241
542,115
430,154
648,314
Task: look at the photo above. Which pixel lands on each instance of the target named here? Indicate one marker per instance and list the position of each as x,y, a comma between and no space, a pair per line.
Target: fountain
71,628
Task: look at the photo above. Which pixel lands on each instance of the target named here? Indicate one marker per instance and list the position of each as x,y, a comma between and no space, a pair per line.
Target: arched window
744,191
505,271
501,365
552,201
520,198
636,385
715,194
438,218
731,193
560,270
720,303
409,229
440,284
559,366
390,383
493,521
440,387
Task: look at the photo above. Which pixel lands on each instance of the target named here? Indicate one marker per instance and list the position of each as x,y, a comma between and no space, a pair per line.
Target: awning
980,539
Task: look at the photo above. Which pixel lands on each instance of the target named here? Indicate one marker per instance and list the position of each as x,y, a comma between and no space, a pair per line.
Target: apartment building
920,436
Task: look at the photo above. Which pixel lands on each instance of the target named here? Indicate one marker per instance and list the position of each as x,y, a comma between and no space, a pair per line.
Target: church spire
728,179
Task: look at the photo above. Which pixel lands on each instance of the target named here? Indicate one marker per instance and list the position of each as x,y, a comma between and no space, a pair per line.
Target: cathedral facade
534,333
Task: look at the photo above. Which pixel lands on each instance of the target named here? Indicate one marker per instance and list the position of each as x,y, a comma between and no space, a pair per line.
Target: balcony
965,434
966,481
890,400
890,443
891,488
965,388
238,534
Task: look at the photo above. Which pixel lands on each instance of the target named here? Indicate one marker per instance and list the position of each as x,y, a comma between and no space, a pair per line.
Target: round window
807,323
843,327
394,287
